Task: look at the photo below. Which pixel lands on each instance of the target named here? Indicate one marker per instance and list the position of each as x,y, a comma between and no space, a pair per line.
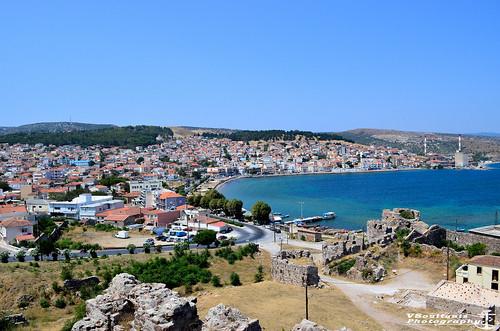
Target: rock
76,284
222,318
307,325
16,320
378,273
139,306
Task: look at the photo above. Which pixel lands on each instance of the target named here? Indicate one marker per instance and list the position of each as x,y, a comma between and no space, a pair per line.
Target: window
494,286
479,270
494,276
466,280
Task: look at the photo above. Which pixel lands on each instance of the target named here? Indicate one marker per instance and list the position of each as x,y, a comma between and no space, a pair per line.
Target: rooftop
489,230
486,261
467,293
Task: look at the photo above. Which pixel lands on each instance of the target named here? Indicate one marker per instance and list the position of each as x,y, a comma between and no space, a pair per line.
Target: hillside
185,131
128,136
436,142
53,127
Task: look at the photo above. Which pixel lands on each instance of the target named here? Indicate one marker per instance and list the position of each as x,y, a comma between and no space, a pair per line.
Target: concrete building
145,185
482,270
170,200
73,208
37,206
461,159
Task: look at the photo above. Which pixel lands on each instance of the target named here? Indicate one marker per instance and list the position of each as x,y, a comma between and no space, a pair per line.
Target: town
70,203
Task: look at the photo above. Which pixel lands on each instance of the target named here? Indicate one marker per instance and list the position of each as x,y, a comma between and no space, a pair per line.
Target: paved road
248,233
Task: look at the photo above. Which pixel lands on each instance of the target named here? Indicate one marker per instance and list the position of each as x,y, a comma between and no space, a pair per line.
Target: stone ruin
366,268
131,305
128,304
348,244
383,232
285,270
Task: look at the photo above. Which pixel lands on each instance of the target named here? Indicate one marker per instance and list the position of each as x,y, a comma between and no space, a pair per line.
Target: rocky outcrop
307,325
127,303
76,284
222,318
294,267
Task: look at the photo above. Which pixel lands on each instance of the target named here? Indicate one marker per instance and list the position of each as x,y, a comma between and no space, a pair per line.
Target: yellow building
482,270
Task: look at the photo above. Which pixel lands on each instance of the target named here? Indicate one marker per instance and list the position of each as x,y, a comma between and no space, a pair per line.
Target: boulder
307,325
222,318
76,284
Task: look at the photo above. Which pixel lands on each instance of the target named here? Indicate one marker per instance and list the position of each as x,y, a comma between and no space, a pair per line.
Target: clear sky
312,65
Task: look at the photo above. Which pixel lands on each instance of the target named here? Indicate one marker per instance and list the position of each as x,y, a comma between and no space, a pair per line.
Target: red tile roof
166,195
14,223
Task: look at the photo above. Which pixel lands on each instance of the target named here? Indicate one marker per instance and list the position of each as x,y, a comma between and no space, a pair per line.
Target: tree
46,247
4,186
476,249
20,256
4,257
147,248
234,208
139,160
260,212
131,248
234,279
205,237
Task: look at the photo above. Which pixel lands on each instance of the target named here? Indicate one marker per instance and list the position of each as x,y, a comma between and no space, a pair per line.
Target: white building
145,185
73,209
12,230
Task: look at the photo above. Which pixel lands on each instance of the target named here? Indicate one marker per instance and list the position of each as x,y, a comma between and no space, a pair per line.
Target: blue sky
312,65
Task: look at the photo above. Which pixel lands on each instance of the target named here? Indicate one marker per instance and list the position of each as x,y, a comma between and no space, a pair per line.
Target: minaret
459,143
425,146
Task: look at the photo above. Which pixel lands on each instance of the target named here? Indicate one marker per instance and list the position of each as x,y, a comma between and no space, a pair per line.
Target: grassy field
17,279
107,239
279,306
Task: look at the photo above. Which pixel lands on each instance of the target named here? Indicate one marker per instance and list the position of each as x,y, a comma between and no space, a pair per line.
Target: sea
462,199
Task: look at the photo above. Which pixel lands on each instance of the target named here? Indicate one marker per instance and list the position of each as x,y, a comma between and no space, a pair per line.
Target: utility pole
307,304
301,209
281,244
447,260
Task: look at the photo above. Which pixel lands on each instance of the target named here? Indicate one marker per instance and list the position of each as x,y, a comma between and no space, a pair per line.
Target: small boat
329,215
286,216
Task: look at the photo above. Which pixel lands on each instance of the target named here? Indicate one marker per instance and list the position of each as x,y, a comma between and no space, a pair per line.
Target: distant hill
185,131
127,136
445,143
53,127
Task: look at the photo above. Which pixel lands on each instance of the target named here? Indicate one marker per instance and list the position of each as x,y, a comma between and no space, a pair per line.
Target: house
37,206
482,270
145,185
170,200
121,216
309,235
15,230
161,218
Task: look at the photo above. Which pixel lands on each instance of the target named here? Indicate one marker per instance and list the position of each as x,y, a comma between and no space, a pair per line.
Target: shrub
67,255
234,279
66,273
216,281
20,256
60,303
44,303
147,248
476,249
56,287
344,266
407,214
93,254
259,276
131,248
4,257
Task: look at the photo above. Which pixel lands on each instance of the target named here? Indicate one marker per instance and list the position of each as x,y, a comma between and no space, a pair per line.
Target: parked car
150,242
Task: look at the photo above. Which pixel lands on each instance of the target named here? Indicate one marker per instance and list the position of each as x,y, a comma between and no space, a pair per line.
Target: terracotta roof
12,209
486,261
166,195
121,211
25,237
14,223
117,217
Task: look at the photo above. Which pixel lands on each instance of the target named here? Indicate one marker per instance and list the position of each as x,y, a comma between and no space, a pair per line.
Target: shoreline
227,180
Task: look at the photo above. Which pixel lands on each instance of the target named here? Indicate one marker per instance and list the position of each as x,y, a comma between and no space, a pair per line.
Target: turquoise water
443,196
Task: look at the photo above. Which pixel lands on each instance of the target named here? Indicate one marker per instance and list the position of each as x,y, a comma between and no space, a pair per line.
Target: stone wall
334,251
284,270
454,307
467,238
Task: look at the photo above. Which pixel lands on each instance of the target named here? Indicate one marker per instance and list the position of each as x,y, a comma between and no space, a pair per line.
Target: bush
44,303
4,257
104,227
147,248
259,276
93,254
56,288
216,281
66,273
344,266
20,256
234,279
60,303
476,249
407,214
131,248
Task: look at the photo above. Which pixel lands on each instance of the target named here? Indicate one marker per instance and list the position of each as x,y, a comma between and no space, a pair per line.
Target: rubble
222,318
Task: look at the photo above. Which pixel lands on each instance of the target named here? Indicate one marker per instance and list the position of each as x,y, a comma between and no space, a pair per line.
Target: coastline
224,181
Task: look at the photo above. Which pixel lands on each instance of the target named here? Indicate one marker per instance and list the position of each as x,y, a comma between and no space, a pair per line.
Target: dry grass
279,306
107,239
